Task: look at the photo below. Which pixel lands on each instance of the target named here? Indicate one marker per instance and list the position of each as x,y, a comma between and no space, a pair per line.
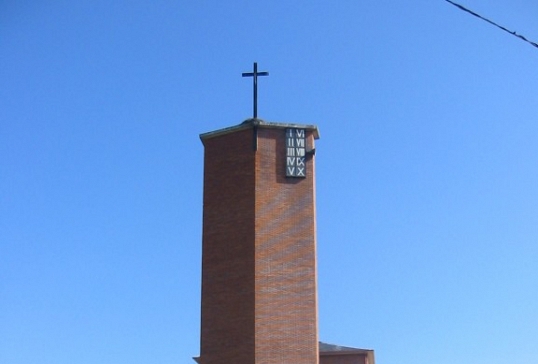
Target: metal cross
254,76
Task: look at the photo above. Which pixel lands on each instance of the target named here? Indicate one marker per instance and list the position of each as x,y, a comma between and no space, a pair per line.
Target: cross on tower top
254,76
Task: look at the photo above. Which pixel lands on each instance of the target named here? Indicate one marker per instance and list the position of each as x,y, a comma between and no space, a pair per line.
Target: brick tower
259,298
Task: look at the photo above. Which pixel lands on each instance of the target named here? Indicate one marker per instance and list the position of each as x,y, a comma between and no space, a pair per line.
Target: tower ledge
259,123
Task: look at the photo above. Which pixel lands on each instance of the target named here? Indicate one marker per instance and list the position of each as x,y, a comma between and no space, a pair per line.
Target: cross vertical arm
254,76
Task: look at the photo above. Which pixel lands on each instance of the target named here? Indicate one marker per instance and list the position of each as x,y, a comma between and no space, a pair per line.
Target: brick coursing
227,331
286,301
259,301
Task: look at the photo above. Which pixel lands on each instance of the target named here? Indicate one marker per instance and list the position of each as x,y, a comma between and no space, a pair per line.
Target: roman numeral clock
295,153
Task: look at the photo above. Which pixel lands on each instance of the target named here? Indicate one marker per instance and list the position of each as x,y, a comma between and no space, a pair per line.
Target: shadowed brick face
227,333
259,303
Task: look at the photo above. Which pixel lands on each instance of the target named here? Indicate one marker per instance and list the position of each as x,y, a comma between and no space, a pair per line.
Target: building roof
331,349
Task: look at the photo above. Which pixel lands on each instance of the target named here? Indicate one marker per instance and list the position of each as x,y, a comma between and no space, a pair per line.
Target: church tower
259,285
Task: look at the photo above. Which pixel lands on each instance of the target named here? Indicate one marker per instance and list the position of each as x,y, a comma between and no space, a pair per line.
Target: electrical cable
493,23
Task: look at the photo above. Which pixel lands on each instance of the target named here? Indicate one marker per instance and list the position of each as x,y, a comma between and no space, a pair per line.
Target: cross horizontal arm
250,74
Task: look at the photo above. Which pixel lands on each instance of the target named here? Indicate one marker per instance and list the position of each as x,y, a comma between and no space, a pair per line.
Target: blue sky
427,186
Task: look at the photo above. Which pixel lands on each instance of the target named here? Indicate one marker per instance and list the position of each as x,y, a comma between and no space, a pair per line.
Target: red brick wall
286,301
259,303
227,332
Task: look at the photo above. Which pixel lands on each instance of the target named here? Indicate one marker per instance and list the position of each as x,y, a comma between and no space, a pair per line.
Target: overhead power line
492,23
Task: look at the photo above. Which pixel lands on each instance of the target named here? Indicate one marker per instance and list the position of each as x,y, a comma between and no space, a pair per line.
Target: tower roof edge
259,123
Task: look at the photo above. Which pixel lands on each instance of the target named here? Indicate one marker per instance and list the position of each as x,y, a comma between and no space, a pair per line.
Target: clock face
295,153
